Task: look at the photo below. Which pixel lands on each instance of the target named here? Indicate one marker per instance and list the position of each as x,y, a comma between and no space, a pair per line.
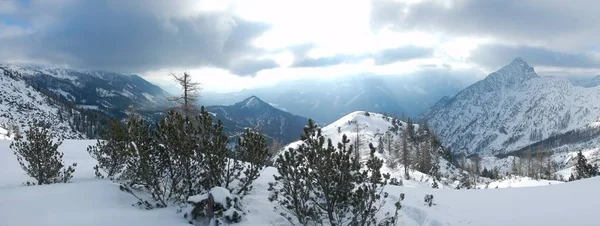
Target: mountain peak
252,102
519,61
512,74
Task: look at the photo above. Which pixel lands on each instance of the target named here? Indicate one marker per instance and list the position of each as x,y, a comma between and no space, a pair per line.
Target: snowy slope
20,104
102,89
511,109
96,202
374,125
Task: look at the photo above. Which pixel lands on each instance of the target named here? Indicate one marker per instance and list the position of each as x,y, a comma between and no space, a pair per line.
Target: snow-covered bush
396,182
185,156
429,200
435,184
215,207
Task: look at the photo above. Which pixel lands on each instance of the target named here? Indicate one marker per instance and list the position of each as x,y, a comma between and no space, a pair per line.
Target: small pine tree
145,168
39,157
583,169
369,197
110,152
292,186
321,184
251,154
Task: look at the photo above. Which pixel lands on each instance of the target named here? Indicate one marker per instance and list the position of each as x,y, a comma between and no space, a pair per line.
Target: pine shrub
39,157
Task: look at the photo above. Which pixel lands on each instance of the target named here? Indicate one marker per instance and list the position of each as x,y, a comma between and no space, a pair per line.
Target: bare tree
540,157
388,139
529,158
476,168
191,93
275,146
357,143
405,153
425,157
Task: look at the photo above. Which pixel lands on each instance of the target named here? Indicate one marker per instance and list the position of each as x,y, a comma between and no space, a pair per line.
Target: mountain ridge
512,113
255,113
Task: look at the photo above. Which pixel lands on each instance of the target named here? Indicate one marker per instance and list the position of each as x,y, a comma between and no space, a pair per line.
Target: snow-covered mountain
108,91
591,82
20,103
257,114
326,100
372,128
73,103
513,108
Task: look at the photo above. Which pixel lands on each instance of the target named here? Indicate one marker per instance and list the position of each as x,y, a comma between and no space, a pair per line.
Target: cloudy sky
229,45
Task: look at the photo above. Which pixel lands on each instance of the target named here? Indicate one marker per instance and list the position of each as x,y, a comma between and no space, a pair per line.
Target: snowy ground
90,201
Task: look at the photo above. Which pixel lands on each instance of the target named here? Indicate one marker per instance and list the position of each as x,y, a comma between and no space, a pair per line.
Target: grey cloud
112,36
388,56
327,61
551,22
251,66
494,56
385,12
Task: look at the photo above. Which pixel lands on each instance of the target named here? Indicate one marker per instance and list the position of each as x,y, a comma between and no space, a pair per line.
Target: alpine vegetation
182,161
39,157
322,184
109,151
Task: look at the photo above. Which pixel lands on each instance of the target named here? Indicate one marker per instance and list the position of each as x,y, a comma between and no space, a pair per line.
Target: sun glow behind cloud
332,28
235,44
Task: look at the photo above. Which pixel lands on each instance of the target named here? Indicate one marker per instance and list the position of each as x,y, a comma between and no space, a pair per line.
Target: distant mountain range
325,100
590,82
514,109
256,114
106,91
74,103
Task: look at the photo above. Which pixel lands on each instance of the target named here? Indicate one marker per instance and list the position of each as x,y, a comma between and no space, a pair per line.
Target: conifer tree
110,151
321,184
583,169
39,157
178,144
145,168
214,149
369,196
250,157
292,187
